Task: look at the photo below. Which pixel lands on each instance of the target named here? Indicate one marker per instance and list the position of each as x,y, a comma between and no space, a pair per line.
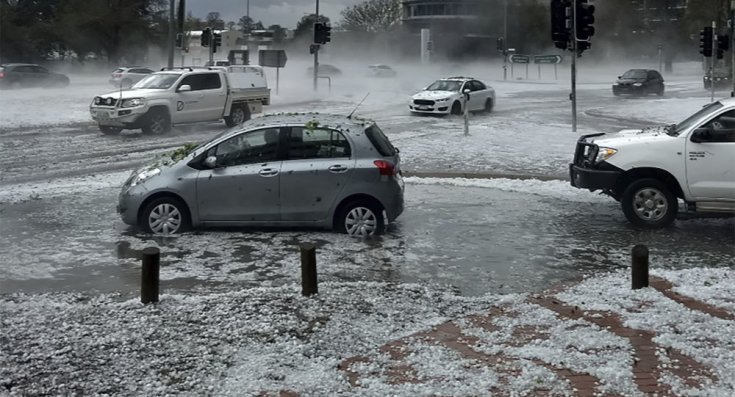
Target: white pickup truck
649,170
183,95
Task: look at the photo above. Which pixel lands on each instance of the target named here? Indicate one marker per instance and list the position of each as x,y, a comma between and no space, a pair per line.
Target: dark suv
639,82
22,75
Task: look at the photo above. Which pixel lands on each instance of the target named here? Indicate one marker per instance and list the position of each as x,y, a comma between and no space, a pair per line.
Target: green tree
372,16
305,26
279,33
214,21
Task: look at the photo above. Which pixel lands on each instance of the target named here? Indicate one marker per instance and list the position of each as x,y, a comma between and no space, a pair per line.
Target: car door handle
268,172
337,168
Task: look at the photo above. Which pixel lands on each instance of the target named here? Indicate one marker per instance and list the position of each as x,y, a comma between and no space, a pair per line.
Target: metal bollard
308,270
150,280
640,267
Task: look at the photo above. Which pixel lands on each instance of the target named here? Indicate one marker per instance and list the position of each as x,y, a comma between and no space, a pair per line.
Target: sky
281,12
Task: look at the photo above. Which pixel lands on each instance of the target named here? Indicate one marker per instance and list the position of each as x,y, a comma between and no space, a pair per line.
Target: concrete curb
481,175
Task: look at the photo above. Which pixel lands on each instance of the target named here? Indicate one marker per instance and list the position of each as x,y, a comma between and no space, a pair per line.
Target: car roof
332,121
458,78
5,65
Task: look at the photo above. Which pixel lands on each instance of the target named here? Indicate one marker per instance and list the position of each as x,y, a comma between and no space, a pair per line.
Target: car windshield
696,117
444,85
157,81
635,74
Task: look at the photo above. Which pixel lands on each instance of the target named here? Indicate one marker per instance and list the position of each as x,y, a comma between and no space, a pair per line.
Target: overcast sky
282,12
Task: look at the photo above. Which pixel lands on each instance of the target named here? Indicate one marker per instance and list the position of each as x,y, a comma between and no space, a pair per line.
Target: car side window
38,69
194,81
317,143
211,81
478,85
253,147
204,81
721,128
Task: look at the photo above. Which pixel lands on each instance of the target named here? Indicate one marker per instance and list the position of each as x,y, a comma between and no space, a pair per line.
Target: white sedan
445,97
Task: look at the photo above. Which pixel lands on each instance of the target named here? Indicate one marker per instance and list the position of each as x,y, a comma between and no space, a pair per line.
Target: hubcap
361,221
239,116
164,219
650,204
157,124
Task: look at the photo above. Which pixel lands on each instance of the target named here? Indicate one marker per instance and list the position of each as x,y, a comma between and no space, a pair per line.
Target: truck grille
585,153
109,101
423,102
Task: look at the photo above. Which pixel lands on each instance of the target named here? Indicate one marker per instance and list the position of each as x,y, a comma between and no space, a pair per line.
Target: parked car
126,77
315,170
445,96
23,75
324,70
380,70
722,79
639,82
218,62
649,170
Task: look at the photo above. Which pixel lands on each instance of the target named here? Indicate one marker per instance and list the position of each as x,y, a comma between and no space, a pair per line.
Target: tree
214,21
247,24
372,16
305,27
279,33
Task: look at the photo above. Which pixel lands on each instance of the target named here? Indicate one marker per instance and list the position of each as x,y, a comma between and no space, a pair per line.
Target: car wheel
361,218
488,105
157,122
660,91
649,203
616,93
165,216
110,130
238,115
456,108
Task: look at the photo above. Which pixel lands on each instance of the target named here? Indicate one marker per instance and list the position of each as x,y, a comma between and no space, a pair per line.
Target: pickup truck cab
649,170
183,95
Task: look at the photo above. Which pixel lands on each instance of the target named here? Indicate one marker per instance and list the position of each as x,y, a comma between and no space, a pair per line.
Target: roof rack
190,68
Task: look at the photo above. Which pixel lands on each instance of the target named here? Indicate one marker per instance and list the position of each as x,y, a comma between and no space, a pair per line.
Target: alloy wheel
650,204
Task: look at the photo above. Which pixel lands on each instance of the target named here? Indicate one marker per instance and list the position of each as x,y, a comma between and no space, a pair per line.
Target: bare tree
372,16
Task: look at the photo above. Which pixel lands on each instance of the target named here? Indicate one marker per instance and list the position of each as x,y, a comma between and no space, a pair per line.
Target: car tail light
2,75
116,75
386,168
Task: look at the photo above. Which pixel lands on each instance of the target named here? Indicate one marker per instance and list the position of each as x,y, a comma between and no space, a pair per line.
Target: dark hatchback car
639,82
23,75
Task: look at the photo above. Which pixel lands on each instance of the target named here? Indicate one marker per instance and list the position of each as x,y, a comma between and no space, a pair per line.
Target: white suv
649,170
445,97
126,77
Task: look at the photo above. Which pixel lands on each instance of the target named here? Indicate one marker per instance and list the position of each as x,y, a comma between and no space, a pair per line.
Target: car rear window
118,70
380,141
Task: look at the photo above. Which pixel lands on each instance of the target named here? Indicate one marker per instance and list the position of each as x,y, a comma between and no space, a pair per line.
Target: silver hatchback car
314,170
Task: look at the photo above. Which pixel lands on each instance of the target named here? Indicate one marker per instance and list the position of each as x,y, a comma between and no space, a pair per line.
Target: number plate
423,107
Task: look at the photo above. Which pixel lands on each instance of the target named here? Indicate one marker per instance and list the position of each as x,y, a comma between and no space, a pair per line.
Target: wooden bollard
640,266
308,270
149,279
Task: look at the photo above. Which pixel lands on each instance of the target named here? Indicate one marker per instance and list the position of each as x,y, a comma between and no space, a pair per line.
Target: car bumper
128,205
629,90
430,109
116,117
593,179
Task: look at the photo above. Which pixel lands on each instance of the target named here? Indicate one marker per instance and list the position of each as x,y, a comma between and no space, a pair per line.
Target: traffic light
206,36
322,33
217,41
179,40
705,42
500,44
560,23
723,44
585,20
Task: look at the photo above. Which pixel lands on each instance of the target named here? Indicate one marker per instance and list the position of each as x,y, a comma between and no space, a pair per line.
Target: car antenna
358,105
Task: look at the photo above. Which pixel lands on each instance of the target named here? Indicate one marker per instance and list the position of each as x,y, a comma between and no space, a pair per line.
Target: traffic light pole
573,95
712,63
316,50
732,46
171,33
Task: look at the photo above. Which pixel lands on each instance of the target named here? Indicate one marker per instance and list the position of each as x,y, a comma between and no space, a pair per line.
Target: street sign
516,58
547,58
272,58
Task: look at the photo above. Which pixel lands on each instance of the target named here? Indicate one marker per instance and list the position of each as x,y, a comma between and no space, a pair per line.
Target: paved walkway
648,355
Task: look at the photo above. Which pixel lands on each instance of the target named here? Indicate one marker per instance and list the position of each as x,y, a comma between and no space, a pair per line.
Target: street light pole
171,32
505,40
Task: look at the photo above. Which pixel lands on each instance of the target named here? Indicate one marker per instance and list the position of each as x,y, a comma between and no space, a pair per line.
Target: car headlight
637,84
144,175
616,83
442,100
132,102
604,153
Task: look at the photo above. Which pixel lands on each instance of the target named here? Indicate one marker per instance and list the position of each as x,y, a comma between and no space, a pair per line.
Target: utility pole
316,50
171,32
573,95
505,40
713,58
731,25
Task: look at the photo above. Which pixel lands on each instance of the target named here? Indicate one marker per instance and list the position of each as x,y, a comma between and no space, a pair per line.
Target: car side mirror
701,134
210,162
185,87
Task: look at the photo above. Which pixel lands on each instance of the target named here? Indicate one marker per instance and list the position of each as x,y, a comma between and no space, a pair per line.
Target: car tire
649,203
156,122
488,105
238,115
456,108
165,216
660,91
110,130
360,218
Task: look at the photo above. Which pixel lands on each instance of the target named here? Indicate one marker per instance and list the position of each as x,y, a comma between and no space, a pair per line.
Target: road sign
516,58
547,58
272,58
